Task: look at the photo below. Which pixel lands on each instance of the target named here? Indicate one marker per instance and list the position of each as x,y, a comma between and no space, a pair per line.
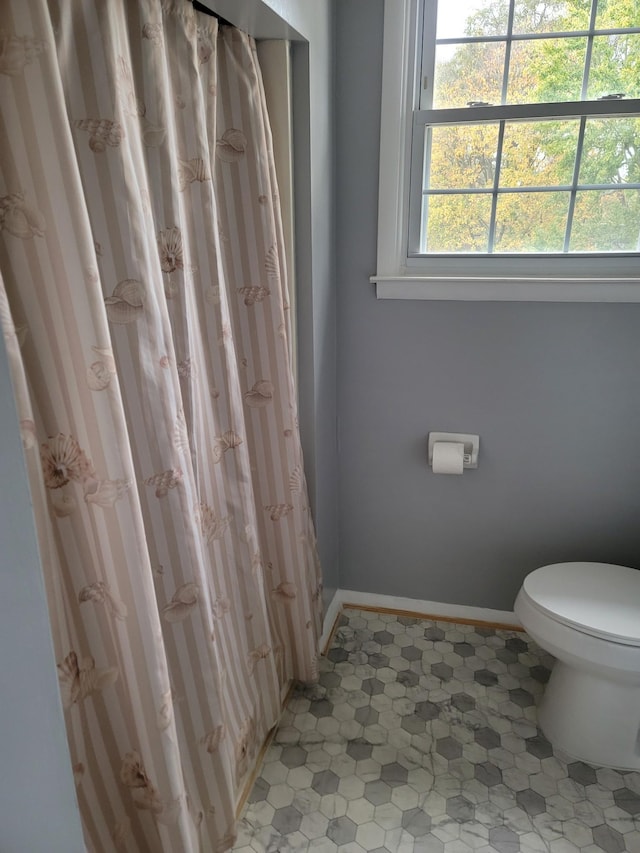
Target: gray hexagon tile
421,737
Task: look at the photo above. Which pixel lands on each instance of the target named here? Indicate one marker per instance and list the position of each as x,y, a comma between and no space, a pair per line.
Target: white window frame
483,278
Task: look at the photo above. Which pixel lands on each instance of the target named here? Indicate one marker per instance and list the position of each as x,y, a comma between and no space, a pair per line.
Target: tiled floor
421,738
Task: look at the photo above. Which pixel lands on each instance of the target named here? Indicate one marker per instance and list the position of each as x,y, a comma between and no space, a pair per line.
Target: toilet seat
598,599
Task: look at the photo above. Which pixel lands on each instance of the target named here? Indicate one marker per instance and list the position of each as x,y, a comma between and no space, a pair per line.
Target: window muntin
548,162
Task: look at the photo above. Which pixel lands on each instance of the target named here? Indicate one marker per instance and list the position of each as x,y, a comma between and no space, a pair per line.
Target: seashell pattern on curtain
143,311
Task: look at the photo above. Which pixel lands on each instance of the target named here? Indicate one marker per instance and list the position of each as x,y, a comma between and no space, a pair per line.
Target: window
512,170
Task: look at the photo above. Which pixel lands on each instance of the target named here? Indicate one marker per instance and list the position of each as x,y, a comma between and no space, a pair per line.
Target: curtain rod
200,7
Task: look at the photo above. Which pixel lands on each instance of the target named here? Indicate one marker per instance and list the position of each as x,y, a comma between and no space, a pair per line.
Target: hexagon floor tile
421,737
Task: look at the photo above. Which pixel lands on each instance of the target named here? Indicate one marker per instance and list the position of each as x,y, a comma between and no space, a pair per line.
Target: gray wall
37,798
315,273
553,391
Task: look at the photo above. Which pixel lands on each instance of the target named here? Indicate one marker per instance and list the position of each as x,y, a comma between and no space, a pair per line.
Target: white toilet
587,615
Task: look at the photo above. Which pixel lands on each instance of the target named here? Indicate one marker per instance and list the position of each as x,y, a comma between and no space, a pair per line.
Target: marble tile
421,737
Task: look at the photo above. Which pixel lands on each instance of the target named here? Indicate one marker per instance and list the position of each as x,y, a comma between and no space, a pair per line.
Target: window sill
507,289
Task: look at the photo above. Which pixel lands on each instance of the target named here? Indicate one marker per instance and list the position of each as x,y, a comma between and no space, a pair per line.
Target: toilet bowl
587,615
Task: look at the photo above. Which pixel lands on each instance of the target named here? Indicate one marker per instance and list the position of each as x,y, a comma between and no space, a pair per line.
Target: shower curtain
144,310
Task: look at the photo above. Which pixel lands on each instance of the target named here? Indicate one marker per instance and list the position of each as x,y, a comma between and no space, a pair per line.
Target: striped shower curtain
144,310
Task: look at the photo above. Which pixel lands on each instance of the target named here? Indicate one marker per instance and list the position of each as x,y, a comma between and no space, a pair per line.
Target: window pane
531,222
462,156
551,17
539,153
457,223
468,72
531,164
615,66
612,15
471,18
546,70
610,151
606,221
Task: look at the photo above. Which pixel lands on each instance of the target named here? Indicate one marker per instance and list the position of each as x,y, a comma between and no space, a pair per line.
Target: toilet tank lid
597,598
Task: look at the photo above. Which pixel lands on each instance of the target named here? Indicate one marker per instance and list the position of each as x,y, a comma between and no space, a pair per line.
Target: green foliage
539,154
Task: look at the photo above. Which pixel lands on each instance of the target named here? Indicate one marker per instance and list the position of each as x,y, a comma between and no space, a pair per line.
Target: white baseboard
345,597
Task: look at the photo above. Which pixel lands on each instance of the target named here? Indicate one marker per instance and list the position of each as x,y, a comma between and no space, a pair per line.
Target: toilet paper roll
448,457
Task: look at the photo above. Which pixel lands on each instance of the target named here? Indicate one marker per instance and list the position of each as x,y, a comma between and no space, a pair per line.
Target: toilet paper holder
471,446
